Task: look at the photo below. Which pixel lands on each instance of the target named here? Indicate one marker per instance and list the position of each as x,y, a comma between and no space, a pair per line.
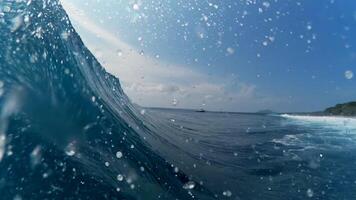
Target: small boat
200,110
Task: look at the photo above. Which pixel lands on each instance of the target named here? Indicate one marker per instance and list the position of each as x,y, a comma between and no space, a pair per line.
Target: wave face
67,130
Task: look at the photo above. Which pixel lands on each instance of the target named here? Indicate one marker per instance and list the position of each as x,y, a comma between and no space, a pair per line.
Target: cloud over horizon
150,81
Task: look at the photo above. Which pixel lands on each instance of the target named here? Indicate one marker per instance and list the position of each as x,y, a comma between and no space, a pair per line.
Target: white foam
327,121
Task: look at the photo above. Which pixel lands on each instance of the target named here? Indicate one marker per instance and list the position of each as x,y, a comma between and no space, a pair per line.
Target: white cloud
153,82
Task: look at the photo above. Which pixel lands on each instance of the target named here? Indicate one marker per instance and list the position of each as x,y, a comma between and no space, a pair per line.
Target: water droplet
230,51
310,193
6,9
119,154
35,156
349,74
119,53
120,177
227,193
17,197
65,35
189,185
136,6
266,4
174,102
2,145
16,23
26,19
70,149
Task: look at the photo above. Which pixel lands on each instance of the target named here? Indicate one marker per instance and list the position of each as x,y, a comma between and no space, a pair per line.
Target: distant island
344,109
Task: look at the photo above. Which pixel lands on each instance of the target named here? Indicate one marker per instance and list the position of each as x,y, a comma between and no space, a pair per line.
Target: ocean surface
68,131
257,156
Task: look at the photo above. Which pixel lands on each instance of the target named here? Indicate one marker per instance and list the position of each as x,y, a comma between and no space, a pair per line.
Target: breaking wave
74,132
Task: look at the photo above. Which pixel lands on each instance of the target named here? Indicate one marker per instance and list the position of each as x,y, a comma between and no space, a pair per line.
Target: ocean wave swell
67,130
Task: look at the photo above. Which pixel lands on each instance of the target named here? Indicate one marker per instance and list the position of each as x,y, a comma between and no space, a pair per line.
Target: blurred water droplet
310,193
189,185
120,177
230,51
70,149
119,154
119,53
227,193
136,6
349,74
174,102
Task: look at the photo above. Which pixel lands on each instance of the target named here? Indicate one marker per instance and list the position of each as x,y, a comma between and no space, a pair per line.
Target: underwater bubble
119,154
189,185
349,74
107,164
118,189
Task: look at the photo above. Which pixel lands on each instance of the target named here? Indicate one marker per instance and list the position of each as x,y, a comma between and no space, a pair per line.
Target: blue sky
241,55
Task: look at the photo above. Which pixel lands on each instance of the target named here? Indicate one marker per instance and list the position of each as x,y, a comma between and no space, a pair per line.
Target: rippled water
267,157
